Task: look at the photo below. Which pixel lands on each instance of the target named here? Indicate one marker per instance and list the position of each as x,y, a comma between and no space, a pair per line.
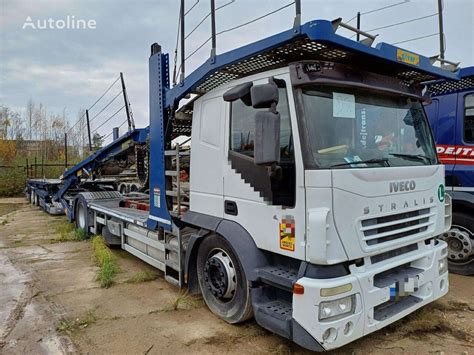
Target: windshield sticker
355,159
343,105
287,233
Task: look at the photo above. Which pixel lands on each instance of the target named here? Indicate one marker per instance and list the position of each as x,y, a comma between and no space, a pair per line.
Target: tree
97,141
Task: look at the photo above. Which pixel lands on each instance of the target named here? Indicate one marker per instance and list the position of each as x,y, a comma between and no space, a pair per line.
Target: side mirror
267,138
265,95
241,91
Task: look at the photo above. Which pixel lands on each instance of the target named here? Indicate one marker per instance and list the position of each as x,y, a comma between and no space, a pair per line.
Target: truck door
207,154
464,168
271,209
442,115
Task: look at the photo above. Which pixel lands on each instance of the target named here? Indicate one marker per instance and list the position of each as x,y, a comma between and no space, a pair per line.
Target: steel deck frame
444,87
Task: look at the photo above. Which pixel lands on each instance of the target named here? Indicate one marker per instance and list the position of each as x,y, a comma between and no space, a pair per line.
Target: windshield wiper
382,161
421,157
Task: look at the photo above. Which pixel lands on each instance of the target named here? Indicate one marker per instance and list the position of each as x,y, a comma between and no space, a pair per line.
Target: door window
469,118
242,128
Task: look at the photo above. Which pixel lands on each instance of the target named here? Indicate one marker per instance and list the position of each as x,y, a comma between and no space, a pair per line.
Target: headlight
332,310
442,265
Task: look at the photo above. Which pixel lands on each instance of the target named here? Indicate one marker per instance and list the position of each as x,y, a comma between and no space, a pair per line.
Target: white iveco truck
314,197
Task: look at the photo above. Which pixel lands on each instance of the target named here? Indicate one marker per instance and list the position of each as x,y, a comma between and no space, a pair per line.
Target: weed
70,326
143,276
183,301
79,234
106,261
66,232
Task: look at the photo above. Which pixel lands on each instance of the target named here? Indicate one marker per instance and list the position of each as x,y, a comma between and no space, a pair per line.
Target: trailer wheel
81,214
460,239
222,280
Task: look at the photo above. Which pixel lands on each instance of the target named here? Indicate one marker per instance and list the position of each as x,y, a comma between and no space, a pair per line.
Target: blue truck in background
451,115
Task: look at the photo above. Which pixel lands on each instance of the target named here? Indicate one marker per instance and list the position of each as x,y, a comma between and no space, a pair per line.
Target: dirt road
50,302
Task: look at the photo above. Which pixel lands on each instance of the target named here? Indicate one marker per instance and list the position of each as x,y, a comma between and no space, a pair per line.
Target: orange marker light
298,289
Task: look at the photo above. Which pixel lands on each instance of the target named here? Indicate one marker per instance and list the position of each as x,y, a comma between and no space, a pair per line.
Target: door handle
230,207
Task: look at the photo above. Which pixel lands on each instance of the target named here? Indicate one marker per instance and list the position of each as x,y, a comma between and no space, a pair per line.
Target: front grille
396,226
393,253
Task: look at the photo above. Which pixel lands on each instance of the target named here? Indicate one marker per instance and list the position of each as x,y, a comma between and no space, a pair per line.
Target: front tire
222,280
460,239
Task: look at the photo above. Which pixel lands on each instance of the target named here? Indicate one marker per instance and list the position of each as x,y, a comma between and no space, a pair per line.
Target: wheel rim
81,218
219,275
460,243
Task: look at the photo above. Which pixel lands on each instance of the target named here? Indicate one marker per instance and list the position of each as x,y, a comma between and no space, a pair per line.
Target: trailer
39,192
107,169
451,114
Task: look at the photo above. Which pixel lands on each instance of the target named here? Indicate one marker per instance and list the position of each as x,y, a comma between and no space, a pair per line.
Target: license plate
404,287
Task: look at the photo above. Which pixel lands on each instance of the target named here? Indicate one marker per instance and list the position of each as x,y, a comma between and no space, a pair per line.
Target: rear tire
82,216
460,239
222,280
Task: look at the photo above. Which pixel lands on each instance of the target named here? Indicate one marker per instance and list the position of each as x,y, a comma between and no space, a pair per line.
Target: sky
68,69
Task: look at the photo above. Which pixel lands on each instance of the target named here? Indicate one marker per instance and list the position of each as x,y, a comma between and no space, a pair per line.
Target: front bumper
372,285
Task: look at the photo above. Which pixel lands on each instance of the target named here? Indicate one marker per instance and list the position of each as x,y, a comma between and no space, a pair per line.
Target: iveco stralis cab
321,163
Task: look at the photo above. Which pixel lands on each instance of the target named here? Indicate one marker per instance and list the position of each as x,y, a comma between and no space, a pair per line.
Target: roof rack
315,40
443,87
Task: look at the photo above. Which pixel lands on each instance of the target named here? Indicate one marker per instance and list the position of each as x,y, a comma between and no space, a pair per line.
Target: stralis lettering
393,206
400,186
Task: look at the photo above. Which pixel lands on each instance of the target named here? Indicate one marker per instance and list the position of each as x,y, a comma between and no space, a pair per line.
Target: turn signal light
298,289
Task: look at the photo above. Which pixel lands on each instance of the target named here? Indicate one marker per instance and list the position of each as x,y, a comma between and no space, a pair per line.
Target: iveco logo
401,186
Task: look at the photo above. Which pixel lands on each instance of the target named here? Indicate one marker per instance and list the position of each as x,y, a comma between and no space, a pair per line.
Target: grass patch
71,326
66,232
183,301
143,276
106,261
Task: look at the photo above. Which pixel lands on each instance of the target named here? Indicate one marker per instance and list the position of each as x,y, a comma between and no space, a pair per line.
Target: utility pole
89,130
65,151
358,26
441,31
131,124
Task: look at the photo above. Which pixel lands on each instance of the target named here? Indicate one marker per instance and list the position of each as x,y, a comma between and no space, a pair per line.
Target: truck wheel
222,280
460,239
82,220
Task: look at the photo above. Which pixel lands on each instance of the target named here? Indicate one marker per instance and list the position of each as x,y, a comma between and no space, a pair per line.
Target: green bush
12,181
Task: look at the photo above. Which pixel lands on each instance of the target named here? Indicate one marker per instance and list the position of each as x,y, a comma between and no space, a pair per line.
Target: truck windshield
353,128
